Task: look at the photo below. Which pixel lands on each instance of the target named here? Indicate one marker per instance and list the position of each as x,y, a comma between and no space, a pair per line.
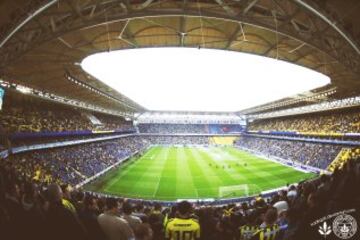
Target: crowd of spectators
177,140
172,128
48,118
33,210
19,119
330,122
345,155
312,154
165,128
74,164
113,123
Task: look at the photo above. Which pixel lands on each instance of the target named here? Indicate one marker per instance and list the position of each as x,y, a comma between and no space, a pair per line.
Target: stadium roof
43,42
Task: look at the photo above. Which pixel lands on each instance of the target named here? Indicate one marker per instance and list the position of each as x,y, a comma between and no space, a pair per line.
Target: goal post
234,191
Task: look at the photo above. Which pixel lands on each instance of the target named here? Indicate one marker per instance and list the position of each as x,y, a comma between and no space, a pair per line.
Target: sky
192,79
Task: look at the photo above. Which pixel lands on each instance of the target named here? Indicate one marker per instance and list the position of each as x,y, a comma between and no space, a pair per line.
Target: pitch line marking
164,160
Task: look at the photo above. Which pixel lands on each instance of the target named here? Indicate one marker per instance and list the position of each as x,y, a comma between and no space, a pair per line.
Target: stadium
179,119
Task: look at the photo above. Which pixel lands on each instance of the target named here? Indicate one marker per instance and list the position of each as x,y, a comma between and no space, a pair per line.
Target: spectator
183,226
250,227
58,215
143,232
14,211
268,229
89,215
115,227
129,217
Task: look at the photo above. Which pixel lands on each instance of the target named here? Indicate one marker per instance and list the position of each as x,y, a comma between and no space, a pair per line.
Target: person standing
114,227
183,227
268,229
129,217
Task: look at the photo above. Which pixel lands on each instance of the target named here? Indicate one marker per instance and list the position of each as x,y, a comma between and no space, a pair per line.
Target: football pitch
172,173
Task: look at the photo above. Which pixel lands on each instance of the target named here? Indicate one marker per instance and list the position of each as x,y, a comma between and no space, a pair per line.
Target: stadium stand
177,140
223,129
345,155
32,120
39,209
172,128
39,116
189,128
74,164
109,122
344,121
316,155
222,140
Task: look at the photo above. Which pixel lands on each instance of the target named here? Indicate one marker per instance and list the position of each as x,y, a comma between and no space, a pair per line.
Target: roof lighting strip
56,98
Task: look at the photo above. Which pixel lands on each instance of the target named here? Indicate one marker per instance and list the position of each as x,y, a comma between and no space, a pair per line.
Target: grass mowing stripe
170,173
131,189
111,177
281,174
158,178
259,173
264,178
223,175
212,173
200,179
126,168
185,183
245,172
167,186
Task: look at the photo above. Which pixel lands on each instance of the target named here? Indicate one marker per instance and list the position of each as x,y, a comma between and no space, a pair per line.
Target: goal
234,191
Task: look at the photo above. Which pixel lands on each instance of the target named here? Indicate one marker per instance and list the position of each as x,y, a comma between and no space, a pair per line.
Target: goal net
234,191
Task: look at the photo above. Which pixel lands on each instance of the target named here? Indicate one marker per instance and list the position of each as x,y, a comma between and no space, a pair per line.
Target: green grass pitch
171,173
